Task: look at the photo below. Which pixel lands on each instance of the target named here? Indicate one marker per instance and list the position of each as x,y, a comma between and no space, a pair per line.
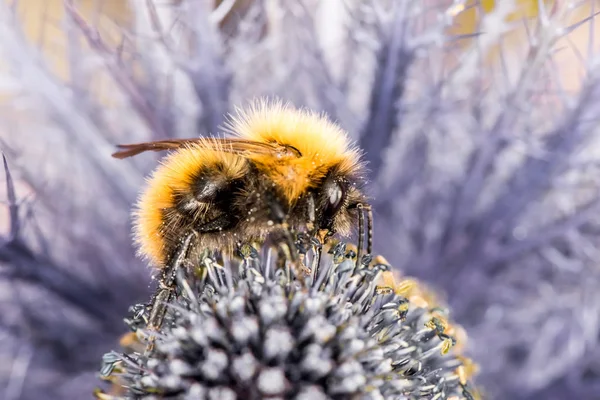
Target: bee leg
165,291
320,239
288,246
283,240
361,233
362,208
318,236
286,243
159,309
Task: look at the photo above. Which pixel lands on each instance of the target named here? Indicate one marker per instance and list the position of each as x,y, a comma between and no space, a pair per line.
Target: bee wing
230,145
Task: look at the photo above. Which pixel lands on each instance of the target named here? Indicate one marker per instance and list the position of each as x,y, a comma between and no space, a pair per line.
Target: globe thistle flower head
252,330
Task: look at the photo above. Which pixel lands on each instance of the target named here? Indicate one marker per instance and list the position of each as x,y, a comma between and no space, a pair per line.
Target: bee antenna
362,210
369,211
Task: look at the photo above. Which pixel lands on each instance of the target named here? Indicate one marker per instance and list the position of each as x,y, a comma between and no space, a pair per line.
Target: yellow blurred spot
462,375
411,289
467,370
402,288
99,394
129,339
523,8
455,9
406,287
467,21
380,260
460,334
131,342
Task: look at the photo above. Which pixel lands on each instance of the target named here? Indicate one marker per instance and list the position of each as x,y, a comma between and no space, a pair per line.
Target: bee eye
335,195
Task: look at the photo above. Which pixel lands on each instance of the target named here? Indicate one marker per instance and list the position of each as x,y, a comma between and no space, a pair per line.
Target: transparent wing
230,145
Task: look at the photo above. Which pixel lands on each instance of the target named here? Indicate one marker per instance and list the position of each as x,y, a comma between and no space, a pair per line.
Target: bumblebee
282,170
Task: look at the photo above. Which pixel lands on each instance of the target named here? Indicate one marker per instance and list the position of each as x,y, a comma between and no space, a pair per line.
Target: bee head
336,202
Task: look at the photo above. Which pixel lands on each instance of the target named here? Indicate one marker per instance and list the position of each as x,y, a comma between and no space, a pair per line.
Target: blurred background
479,120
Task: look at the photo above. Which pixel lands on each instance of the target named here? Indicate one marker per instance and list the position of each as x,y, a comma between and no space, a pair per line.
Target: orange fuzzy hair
321,143
174,175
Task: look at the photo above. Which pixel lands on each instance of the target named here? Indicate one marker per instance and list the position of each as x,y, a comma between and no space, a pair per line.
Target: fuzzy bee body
284,169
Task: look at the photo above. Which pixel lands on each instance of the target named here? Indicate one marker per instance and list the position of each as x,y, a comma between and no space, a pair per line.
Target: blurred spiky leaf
480,129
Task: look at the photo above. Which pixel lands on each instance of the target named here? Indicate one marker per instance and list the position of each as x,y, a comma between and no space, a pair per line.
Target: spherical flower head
253,330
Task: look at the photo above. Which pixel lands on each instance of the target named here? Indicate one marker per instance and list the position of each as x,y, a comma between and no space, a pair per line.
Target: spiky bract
252,331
